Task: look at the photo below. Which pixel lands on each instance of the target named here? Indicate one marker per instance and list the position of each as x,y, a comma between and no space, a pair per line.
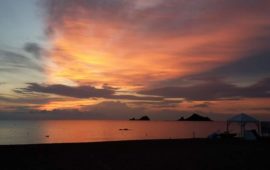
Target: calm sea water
66,131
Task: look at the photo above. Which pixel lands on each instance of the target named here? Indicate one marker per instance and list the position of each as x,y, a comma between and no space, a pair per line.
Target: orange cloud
97,46
68,104
132,45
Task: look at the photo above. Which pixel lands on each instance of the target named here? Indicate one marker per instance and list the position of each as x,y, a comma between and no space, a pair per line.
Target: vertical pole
259,128
227,129
241,134
244,128
241,124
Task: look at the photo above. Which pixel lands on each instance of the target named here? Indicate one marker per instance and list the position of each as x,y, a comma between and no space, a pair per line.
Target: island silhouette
143,118
195,117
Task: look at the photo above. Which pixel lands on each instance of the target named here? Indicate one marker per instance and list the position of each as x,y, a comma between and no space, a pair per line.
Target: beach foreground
128,155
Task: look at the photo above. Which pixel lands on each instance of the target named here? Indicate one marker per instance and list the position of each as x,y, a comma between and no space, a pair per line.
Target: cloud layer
81,92
151,56
78,92
153,41
214,90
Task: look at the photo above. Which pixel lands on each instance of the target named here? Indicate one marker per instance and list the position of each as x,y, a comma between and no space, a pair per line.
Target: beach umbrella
243,119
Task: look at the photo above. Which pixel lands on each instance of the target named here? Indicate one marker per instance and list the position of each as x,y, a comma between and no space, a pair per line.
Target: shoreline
105,142
143,154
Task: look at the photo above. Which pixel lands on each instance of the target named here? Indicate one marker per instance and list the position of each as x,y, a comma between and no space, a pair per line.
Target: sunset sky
116,59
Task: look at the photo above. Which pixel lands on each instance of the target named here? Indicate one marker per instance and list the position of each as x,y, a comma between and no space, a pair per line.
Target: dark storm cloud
81,92
214,90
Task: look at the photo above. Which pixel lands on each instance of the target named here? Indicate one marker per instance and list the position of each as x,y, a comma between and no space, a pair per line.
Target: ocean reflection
66,131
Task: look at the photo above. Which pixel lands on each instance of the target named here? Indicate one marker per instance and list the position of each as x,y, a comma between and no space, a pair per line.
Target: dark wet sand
130,155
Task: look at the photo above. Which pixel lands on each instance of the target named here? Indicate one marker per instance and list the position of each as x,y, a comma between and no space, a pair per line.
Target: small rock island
143,118
195,117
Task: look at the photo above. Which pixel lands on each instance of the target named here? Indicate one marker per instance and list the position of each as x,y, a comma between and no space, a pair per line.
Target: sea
73,131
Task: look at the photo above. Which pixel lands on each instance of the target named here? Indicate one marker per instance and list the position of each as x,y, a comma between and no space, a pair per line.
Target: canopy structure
243,119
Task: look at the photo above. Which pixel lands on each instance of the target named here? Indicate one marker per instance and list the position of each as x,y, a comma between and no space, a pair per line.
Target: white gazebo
243,119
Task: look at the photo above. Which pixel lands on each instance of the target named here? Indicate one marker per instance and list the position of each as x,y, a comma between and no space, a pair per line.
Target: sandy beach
134,155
